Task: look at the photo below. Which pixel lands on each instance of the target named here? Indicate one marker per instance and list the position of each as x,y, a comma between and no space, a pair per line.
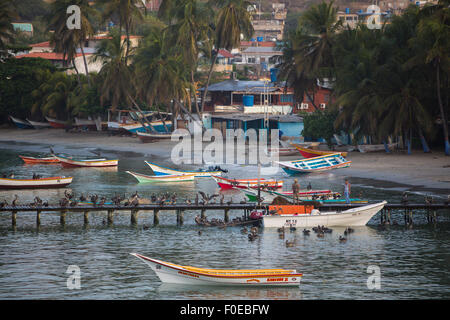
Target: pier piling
86,217
180,217
226,215
134,216
62,217
155,217
110,217
38,218
14,218
203,213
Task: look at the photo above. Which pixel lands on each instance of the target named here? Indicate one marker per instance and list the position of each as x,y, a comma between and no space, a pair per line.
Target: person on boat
295,190
11,175
347,190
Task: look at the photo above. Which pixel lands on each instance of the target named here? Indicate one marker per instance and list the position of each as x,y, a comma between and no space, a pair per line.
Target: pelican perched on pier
206,197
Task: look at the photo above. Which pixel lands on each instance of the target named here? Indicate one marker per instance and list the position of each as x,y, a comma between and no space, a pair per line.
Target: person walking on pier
295,191
347,191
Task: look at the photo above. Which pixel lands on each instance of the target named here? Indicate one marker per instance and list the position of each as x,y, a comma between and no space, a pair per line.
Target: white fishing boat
352,217
316,164
89,163
50,182
39,125
173,273
363,148
87,123
164,171
269,195
143,178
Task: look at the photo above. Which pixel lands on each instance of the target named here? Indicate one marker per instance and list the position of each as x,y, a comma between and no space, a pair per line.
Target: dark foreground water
413,263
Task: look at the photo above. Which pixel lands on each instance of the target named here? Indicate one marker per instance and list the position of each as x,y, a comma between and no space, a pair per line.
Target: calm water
414,264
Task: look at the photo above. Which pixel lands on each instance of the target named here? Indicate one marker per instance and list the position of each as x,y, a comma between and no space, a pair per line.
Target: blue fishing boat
316,164
21,124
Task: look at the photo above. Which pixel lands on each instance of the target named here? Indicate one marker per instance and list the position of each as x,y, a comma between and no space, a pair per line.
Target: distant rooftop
244,86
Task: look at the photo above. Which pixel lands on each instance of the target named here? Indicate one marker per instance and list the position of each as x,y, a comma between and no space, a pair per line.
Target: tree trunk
207,81
386,148
441,109
426,149
85,64
312,100
78,73
127,31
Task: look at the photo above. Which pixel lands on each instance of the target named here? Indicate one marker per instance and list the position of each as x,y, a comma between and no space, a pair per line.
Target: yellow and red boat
173,273
311,153
32,160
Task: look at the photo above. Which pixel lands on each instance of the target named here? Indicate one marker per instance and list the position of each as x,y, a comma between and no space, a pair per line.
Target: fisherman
347,190
295,190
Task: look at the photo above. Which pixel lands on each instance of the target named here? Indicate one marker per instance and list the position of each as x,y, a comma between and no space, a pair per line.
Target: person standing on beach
295,190
347,191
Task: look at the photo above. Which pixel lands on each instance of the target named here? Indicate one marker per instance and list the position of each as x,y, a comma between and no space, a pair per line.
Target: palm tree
128,13
68,40
433,44
161,74
115,75
309,55
232,20
7,14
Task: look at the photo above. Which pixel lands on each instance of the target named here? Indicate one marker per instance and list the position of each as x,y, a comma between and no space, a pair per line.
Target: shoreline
420,171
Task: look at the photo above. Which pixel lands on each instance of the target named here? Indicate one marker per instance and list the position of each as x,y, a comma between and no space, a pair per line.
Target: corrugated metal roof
258,116
250,86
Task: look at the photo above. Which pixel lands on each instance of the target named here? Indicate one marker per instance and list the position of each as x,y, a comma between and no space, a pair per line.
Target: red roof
45,55
41,44
225,53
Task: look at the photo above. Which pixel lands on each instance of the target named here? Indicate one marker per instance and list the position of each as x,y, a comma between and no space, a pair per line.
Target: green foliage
319,125
18,79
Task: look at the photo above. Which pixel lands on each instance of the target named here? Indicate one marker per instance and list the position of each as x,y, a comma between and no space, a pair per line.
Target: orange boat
311,153
32,160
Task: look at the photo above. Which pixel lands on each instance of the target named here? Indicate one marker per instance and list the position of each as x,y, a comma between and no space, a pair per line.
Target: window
326,97
251,60
304,106
286,98
322,105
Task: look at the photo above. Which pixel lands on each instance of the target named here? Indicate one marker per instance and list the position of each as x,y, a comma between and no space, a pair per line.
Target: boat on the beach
38,124
317,164
363,148
306,216
282,151
152,136
173,273
33,160
21,124
226,183
50,182
55,123
86,123
164,171
69,162
311,153
143,178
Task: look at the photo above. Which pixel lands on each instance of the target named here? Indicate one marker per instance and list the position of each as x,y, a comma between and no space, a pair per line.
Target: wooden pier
179,209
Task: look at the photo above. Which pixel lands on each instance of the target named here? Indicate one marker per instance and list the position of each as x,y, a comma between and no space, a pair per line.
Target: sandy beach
419,170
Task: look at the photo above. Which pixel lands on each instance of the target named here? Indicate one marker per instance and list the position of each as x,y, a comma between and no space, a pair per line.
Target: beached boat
317,164
50,182
86,123
38,124
69,162
226,183
173,273
33,160
152,136
163,171
311,153
306,216
363,148
143,178
58,124
282,152
21,124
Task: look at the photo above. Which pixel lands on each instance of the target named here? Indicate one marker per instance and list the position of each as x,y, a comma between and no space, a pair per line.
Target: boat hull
20,123
311,153
51,182
142,178
39,125
282,152
363,148
316,164
57,124
32,160
352,217
94,163
225,183
171,273
138,127
163,171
